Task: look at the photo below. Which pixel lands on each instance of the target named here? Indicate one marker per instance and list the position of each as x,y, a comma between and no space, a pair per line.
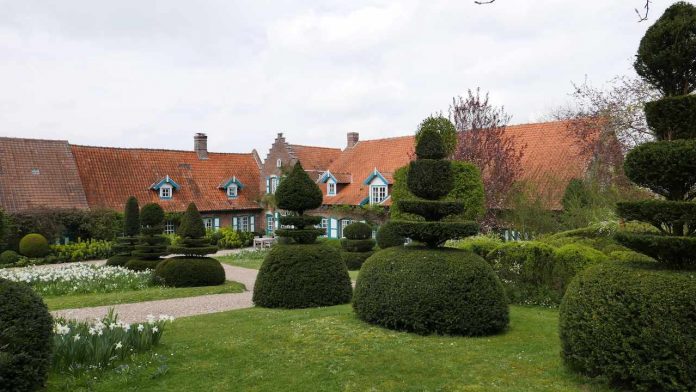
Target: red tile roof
314,158
111,175
552,157
38,174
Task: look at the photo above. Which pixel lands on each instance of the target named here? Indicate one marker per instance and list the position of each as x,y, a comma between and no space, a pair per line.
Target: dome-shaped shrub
302,276
569,260
190,272
8,257
118,260
633,325
355,260
357,231
34,245
443,291
482,245
25,338
444,128
388,236
142,264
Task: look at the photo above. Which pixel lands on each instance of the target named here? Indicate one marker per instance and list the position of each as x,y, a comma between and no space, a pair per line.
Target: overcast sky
137,73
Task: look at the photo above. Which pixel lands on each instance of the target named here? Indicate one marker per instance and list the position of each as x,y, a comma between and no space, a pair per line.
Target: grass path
329,349
148,294
255,263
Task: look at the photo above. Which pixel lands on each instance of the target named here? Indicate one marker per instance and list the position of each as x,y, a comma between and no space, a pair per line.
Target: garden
434,301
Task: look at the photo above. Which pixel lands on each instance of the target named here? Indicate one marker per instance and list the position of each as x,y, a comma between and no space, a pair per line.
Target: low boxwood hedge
136,264
355,260
632,324
26,330
190,272
569,260
302,276
8,257
443,291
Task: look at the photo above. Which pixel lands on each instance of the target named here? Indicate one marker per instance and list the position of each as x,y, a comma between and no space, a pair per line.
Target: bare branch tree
483,141
641,17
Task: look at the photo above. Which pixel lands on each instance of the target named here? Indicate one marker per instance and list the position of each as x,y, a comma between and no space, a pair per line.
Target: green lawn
148,294
328,349
255,263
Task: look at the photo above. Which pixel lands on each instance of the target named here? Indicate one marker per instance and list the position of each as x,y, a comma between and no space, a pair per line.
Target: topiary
34,246
482,245
388,236
526,269
192,233
629,256
444,128
357,231
302,276
151,243
355,260
672,118
298,193
123,248
357,245
8,257
569,260
190,272
667,168
447,291
142,264
665,56
632,324
26,331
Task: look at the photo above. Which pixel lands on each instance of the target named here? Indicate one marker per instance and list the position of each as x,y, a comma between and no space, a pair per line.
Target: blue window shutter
328,227
268,184
234,223
251,224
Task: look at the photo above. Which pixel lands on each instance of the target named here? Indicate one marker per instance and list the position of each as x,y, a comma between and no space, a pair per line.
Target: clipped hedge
358,231
357,245
668,168
302,276
436,233
422,183
671,217
629,256
482,245
300,221
388,236
443,291
8,257
569,260
431,210
355,260
26,330
633,325
301,236
190,272
672,118
118,260
670,250
34,246
142,264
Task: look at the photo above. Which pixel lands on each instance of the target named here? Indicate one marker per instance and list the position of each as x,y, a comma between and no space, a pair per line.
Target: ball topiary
672,118
190,272
443,291
526,269
302,276
357,245
388,236
8,257
355,260
569,260
118,260
142,264
665,56
25,338
34,246
357,231
423,182
668,168
444,128
429,144
152,215
633,325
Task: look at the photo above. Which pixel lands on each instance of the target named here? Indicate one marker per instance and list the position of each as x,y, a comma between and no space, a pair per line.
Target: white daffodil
76,337
141,327
155,329
119,345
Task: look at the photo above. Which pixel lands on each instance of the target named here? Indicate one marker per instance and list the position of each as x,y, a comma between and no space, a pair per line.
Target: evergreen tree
192,232
131,229
298,193
151,243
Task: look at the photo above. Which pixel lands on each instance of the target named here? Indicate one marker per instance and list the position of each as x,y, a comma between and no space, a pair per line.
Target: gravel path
177,307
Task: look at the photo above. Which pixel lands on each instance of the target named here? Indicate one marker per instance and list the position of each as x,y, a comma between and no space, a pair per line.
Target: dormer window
232,186
165,192
165,187
331,188
378,193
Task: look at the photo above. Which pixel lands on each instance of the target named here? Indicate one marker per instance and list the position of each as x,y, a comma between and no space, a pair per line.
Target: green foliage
569,260
142,264
297,192
468,189
131,218
228,238
357,245
300,221
444,128
355,260
118,260
670,217
302,276
431,210
435,234
429,144
190,272
191,225
193,242
629,256
357,231
481,244
82,250
8,257
430,178
25,338
444,291
526,270
665,56
303,236
528,212
668,168
586,202
34,245
151,243
672,251
632,325
4,223
672,118
388,236
151,215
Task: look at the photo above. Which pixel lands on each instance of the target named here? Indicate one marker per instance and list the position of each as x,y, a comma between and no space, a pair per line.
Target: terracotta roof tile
38,174
111,175
315,158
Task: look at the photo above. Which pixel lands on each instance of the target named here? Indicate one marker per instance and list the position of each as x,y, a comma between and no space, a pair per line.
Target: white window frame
232,190
209,223
279,162
274,184
243,223
166,191
331,188
324,224
344,223
169,227
378,193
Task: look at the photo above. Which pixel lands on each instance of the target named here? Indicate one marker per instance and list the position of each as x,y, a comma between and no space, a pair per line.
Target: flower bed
79,279
76,251
81,346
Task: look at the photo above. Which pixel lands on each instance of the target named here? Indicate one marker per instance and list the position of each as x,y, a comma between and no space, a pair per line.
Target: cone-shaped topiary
192,233
298,193
358,244
131,230
151,243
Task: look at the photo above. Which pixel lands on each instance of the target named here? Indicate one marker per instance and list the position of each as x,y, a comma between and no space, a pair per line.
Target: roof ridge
155,149
34,139
307,146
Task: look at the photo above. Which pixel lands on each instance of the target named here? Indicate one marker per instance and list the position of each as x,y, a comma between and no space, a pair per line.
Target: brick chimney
200,145
353,138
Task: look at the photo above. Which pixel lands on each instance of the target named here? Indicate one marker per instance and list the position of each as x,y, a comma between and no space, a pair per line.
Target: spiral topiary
26,332
298,193
124,246
34,246
151,243
192,233
358,244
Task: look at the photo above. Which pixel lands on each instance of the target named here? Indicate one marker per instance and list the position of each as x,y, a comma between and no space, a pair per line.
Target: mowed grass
329,349
148,294
248,260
